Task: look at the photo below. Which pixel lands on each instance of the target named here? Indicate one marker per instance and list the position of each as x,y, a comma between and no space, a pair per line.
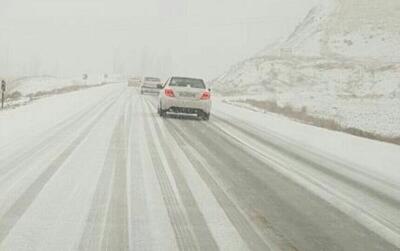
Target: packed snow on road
139,135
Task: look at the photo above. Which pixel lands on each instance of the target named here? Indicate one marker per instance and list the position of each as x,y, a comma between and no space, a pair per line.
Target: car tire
206,116
162,112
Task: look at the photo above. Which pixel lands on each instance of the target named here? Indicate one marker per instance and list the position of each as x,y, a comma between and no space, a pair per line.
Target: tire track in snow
305,220
179,220
11,217
28,162
23,174
107,224
271,199
384,224
116,235
141,234
255,237
19,140
223,231
200,228
335,168
49,137
231,209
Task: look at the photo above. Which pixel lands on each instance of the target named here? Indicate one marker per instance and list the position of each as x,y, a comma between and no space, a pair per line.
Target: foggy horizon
183,37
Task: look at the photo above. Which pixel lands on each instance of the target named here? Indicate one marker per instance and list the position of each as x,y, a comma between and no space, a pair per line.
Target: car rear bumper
150,90
186,106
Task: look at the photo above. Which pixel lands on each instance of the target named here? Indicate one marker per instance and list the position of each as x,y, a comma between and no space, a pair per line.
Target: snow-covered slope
347,28
31,85
341,63
34,84
353,94
309,34
23,90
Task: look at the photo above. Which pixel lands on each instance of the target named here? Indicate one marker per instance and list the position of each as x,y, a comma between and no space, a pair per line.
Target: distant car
150,85
134,82
185,96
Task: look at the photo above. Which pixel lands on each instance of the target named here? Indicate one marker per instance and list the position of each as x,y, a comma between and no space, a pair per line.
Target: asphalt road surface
119,177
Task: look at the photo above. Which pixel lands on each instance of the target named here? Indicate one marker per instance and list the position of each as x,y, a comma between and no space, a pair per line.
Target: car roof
188,78
151,77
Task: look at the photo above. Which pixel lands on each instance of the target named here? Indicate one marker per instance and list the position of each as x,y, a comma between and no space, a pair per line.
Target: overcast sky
152,37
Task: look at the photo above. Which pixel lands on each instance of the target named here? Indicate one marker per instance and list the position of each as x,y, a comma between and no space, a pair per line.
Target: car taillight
206,95
169,93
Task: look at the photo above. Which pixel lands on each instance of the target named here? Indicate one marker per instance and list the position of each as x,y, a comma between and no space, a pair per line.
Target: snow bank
376,158
22,91
26,123
31,85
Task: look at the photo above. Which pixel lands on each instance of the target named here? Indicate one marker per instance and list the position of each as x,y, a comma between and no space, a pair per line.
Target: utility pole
3,90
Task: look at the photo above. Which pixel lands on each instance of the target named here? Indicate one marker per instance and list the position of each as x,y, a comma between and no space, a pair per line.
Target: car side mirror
159,86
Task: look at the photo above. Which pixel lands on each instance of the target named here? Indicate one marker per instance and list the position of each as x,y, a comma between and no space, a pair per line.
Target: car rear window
152,79
184,82
150,85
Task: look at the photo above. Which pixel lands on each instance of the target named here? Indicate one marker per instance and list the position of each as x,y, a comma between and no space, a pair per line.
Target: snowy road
99,170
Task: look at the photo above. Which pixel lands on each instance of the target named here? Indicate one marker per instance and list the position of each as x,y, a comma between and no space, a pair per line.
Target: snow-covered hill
342,63
347,28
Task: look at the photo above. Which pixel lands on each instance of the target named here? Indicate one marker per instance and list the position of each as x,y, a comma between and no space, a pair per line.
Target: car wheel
162,112
206,116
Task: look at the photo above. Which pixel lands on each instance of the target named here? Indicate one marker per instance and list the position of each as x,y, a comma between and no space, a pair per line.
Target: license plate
187,94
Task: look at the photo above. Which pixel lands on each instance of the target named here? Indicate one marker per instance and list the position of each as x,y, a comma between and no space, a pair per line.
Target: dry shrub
14,95
303,116
66,89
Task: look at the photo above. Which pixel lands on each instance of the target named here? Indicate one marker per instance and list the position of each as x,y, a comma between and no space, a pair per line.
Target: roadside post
3,90
85,77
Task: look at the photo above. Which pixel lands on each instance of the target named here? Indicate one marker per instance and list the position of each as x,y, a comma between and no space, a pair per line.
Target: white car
134,81
150,85
185,96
